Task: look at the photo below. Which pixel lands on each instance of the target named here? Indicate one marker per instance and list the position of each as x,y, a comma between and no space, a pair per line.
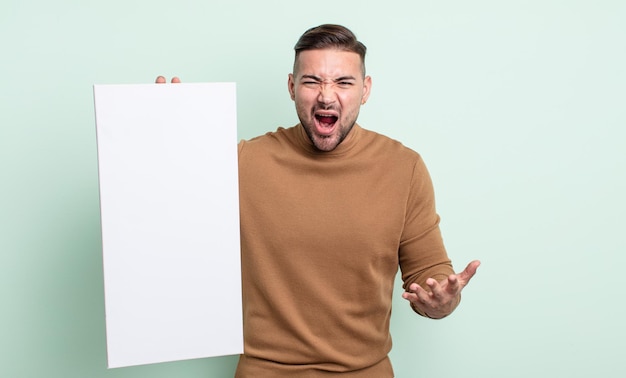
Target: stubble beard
326,143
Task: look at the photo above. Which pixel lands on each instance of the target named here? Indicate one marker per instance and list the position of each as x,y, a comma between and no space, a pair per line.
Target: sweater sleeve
422,254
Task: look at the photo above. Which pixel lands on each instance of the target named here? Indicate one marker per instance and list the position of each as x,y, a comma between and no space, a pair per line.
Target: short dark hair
330,36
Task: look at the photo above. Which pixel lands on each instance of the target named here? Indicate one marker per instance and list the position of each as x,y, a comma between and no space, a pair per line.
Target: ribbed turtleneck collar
346,145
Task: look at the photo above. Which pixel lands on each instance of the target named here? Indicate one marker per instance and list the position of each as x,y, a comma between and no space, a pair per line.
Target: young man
329,211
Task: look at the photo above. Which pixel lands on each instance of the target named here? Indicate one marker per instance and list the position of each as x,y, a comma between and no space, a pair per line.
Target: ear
291,86
367,87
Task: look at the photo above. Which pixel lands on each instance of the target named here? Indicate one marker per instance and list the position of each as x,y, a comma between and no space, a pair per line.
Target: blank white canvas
167,157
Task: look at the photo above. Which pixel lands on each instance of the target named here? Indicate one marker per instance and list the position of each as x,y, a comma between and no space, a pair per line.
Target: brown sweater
323,234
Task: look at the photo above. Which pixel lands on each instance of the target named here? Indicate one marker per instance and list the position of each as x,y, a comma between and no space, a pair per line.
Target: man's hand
441,300
163,80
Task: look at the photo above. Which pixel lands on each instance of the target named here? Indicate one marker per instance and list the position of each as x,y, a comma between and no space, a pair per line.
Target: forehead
328,63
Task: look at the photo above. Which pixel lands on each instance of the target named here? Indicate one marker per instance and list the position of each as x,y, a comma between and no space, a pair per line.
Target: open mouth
325,123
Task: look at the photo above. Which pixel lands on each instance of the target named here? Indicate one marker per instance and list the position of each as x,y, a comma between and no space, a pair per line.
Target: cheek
304,100
351,103
302,108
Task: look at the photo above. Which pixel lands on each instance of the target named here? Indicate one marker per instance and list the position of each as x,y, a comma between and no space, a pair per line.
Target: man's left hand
442,299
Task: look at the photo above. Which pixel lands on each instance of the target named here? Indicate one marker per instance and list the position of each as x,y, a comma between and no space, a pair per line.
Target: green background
518,108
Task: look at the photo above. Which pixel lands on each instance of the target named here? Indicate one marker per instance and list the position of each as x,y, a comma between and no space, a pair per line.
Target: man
329,211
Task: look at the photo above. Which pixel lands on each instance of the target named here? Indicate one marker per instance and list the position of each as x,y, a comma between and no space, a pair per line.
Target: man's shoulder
270,138
387,145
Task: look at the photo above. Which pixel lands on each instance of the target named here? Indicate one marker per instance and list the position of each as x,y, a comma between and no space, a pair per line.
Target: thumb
469,271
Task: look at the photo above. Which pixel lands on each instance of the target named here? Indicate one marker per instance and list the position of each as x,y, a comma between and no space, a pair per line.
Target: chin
326,144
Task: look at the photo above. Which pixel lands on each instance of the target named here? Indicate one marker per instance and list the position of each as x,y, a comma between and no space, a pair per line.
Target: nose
327,93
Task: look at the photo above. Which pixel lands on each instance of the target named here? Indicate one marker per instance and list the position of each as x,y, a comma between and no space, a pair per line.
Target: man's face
328,88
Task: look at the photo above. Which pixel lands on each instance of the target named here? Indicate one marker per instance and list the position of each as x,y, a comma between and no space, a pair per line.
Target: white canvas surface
167,157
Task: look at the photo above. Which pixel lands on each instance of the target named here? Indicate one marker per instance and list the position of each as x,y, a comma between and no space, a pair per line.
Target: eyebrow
317,78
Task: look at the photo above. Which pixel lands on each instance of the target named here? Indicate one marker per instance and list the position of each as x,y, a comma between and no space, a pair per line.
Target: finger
436,289
453,285
423,296
411,294
469,272
161,80
411,297
175,80
419,294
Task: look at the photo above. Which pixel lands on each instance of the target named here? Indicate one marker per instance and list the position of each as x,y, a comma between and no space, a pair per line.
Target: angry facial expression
328,87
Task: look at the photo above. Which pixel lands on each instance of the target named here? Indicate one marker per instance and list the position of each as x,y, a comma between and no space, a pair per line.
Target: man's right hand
163,80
